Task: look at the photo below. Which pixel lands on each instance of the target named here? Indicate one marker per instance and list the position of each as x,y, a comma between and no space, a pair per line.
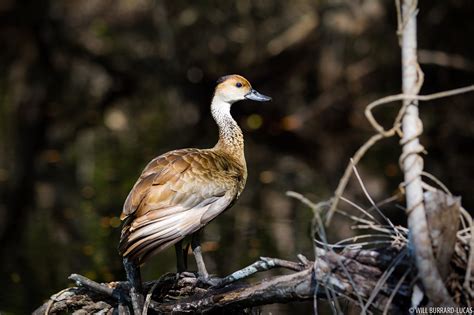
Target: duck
181,191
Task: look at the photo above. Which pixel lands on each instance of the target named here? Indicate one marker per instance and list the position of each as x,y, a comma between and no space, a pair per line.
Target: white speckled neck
230,134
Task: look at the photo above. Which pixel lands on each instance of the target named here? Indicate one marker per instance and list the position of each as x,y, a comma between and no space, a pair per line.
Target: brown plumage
181,191
177,194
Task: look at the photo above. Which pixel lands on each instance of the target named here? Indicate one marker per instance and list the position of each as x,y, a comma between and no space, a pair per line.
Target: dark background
90,91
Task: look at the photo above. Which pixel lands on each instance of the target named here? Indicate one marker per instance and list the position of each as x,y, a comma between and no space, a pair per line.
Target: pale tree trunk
412,162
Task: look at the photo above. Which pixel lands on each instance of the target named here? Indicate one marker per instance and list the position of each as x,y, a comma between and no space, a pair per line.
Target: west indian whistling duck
181,191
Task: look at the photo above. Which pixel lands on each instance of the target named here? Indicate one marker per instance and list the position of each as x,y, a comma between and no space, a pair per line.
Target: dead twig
97,287
383,133
148,298
348,172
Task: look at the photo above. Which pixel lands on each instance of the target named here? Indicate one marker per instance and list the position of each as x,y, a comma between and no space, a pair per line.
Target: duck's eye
238,84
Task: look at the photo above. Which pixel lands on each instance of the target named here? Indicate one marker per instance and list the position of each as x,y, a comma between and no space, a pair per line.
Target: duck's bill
255,96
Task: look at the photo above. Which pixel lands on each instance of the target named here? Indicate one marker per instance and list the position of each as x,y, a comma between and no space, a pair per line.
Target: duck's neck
231,139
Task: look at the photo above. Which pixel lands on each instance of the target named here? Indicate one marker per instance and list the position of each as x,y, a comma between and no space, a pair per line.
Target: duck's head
233,88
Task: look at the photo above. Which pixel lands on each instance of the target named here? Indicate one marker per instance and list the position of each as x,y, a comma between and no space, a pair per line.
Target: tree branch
322,277
412,162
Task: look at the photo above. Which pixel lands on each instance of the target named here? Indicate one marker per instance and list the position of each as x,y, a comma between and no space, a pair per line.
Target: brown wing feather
176,195
157,170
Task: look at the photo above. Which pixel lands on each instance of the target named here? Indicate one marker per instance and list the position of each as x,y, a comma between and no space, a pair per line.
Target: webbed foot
209,281
186,274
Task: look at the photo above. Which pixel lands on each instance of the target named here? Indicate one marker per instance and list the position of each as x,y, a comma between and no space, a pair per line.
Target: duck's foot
209,282
186,274
199,280
186,278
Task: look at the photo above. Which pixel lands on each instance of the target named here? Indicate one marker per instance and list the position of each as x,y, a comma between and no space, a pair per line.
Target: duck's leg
133,274
203,275
196,246
134,277
180,263
185,255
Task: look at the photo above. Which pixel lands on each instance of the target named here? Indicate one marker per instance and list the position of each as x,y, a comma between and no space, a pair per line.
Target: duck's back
176,195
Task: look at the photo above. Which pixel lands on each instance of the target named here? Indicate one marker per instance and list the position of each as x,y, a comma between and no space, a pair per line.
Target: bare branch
404,97
325,277
348,172
412,162
383,133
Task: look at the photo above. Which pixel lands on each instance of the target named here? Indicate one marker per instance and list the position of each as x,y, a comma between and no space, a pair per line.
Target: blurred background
90,91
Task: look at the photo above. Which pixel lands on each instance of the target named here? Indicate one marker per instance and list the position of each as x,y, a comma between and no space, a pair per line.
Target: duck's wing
176,195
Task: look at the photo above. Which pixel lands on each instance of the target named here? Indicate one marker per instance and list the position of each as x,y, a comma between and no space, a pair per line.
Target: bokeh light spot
291,122
188,17
116,120
115,222
15,277
254,121
267,177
